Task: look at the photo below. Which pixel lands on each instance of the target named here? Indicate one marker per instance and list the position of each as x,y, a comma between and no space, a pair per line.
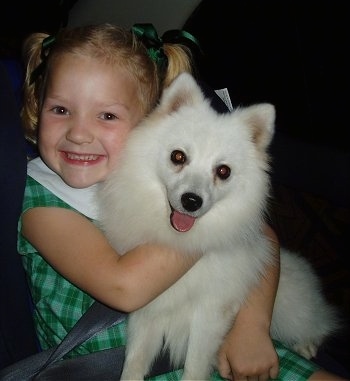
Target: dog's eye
178,157
223,172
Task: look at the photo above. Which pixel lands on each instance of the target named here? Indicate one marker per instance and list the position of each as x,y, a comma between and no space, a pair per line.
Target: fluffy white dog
198,181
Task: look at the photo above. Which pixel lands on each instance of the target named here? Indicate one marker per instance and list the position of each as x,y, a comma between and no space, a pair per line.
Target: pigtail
179,61
32,56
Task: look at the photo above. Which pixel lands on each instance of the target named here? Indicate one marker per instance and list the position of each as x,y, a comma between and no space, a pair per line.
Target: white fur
196,312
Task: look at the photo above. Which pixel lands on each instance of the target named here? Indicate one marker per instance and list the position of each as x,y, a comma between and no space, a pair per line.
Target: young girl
84,91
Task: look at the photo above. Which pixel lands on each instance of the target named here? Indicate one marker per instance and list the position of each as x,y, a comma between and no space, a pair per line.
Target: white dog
198,181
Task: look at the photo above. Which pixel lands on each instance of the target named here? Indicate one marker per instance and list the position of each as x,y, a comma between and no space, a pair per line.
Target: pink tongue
181,222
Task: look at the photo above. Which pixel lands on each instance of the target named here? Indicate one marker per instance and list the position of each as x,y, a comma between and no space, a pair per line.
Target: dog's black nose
191,201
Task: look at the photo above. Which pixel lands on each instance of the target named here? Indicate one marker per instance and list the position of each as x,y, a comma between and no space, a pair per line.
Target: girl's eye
178,157
108,116
60,110
223,172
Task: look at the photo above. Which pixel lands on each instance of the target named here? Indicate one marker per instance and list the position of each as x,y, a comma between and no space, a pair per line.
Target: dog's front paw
129,375
200,376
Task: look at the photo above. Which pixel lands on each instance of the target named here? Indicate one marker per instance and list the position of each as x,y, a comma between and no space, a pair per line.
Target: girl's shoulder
46,188
37,195
38,191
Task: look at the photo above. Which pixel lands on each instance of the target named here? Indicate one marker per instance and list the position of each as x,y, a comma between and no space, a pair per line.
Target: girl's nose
79,133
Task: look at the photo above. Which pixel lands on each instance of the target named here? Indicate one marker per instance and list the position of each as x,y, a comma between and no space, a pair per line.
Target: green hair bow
154,44
45,46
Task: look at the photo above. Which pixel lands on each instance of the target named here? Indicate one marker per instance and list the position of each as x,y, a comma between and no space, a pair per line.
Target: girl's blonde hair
113,45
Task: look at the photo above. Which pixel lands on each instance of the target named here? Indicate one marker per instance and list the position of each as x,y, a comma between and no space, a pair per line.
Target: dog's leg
204,343
144,343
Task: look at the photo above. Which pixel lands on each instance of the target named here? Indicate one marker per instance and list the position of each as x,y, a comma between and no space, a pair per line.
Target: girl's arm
79,251
248,350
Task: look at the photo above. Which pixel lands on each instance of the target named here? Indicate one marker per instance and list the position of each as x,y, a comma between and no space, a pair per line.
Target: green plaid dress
58,304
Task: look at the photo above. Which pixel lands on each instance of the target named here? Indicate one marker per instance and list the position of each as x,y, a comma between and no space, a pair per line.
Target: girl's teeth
81,157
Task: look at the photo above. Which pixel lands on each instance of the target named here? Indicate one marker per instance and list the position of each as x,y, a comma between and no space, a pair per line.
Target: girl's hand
248,354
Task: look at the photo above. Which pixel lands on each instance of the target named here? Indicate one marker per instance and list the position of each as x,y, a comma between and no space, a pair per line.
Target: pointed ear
261,120
184,90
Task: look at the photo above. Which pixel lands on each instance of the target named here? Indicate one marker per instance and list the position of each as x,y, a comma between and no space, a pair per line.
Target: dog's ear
260,118
184,90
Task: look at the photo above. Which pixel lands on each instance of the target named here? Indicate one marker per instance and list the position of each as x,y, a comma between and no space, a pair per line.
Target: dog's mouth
181,222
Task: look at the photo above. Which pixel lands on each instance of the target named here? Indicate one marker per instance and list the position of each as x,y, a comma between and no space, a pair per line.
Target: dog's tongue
181,222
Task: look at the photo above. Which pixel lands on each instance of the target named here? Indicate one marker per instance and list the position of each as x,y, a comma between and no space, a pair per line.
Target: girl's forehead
77,58
73,67
82,79
80,65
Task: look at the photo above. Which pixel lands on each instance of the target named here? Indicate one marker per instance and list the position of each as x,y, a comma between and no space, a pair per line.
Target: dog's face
195,170
206,160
